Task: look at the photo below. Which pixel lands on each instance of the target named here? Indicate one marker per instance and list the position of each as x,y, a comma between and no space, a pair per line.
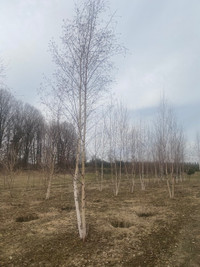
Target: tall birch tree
83,73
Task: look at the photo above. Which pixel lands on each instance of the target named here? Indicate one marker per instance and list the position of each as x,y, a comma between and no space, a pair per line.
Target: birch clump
83,73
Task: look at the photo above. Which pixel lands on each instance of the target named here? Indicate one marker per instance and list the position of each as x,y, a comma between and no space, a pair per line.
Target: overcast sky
163,39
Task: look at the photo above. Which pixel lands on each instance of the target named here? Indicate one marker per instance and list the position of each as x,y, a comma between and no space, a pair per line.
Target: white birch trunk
75,185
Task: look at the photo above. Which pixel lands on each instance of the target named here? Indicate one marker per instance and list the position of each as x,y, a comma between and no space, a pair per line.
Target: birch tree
197,147
133,155
117,128
102,141
169,143
83,73
141,154
161,131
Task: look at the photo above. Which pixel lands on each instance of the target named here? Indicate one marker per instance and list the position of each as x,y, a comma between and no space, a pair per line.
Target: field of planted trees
139,228
83,181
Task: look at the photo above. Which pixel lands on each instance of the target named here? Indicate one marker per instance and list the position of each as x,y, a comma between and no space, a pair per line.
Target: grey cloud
162,37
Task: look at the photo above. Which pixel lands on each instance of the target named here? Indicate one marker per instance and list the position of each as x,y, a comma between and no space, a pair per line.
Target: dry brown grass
139,229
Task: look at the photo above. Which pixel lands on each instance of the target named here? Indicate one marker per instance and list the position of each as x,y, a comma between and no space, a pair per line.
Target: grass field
145,228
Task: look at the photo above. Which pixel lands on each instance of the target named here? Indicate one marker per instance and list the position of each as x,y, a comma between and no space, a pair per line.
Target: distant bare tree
66,145
117,128
96,146
161,131
170,145
9,162
101,147
6,104
30,127
197,147
49,154
112,152
16,131
133,157
142,145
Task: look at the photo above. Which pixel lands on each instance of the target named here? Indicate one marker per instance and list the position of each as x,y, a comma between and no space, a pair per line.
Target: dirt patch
68,208
27,218
145,214
120,224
